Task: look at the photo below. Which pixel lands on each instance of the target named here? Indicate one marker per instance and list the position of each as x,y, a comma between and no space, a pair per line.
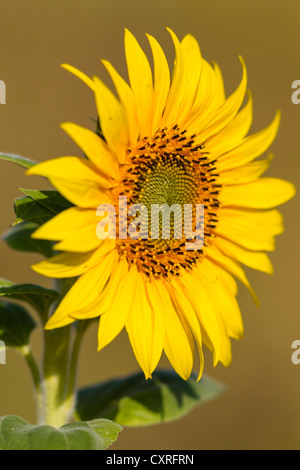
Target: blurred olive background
261,407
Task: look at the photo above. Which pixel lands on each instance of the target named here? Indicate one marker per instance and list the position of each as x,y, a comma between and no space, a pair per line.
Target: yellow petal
94,148
161,82
263,193
232,134
140,76
206,100
193,64
177,93
217,257
84,292
253,259
246,173
219,92
250,148
74,227
182,304
225,299
144,326
185,81
227,111
73,264
154,292
113,119
128,100
254,230
179,344
76,179
82,76
103,302
229,281
198,289
113,321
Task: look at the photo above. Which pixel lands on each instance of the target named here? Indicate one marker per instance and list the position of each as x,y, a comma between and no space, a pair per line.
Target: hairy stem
37,379
55,376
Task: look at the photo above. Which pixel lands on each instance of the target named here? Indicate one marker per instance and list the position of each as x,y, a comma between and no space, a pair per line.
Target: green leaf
133,401
28,209
40,206
107,429
24,162
16,325
19,238
38,297
18,434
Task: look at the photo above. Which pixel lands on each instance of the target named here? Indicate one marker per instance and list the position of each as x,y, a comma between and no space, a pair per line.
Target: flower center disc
164,174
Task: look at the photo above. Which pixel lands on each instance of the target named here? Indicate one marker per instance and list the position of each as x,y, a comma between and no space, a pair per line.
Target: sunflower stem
57,387
80,330
37,378
56,407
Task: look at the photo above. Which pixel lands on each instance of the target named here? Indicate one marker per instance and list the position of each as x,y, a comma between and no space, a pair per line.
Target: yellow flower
165,140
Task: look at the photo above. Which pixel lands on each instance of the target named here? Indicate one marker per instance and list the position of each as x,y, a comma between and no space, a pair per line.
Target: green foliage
39,206
21,161
33,210
19,238
133,401
16,325
38,297
18,434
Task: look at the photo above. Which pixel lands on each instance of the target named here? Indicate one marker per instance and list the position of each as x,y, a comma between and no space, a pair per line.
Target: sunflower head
164,148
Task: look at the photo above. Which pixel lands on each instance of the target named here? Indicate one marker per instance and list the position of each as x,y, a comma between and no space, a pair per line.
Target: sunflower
164,140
